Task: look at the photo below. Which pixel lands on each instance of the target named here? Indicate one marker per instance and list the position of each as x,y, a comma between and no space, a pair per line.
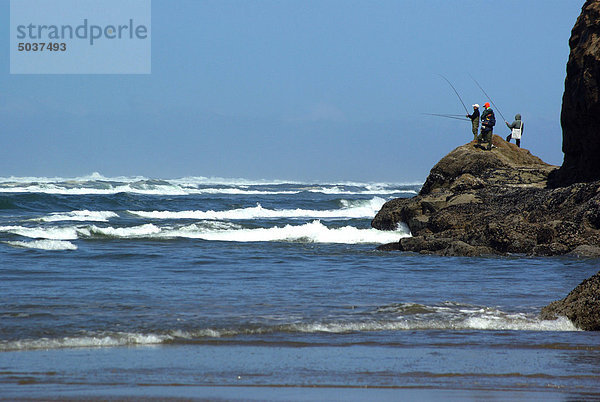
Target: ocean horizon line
219,180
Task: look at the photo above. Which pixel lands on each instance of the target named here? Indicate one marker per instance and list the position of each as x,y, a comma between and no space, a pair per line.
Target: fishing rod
448,116
456,92
489,97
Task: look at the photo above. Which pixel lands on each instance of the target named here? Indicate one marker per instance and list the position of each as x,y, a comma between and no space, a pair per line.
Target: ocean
233,289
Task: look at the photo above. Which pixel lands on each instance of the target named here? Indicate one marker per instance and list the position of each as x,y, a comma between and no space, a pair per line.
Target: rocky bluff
495,202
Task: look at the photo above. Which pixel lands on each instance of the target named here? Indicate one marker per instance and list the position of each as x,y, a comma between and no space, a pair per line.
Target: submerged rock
581,306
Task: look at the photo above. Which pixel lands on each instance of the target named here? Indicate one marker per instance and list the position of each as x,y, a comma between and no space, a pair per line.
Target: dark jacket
488,119
474,116
517,123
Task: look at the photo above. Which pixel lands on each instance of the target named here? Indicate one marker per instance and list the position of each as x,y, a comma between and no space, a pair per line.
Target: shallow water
240,290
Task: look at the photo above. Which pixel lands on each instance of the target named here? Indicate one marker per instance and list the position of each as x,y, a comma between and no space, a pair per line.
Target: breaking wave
349,210
314,232
92,341
96,184
84,216
54,245
483,319
49,233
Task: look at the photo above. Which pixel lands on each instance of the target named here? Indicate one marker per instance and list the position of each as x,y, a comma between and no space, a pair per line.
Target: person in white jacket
516,128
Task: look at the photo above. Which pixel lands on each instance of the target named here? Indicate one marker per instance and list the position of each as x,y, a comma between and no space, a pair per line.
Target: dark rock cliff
581,102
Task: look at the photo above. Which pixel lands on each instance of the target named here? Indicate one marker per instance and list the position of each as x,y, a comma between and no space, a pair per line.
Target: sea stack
581,102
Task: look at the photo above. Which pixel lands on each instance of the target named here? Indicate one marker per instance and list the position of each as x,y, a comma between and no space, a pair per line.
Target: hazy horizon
304,91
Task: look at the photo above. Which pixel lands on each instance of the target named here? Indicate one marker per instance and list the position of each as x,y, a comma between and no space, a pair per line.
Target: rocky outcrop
507,200
581,306
581,101
478,202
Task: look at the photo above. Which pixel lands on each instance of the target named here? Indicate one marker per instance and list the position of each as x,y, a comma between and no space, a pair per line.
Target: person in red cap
488,121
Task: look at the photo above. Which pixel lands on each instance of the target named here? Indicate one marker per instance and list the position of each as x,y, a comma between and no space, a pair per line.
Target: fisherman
516,130
488,121
474,120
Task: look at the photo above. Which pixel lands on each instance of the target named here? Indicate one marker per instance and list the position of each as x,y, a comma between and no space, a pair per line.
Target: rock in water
581,102
581,306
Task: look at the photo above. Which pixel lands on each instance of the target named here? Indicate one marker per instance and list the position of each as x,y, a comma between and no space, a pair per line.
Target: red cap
487,104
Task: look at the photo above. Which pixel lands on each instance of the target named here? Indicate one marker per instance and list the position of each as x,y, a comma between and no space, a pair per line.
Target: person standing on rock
516,130
488,121
475,120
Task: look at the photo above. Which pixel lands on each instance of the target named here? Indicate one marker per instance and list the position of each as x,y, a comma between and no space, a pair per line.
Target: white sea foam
84,216
213,226
115,339
522,323
175,190
97,184
49,233
134,232
313,232
58,189
53,245
100,340
91,177
240,182
354,209
473,323
516,323
240,191
369,191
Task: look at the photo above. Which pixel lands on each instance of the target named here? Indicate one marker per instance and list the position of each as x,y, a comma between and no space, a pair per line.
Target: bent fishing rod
489,97
456,92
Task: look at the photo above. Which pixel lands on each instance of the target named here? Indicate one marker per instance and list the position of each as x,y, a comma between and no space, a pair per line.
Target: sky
305,90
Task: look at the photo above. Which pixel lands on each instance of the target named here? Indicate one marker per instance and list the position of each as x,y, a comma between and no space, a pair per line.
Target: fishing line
446,116
489,97
449,115
456,92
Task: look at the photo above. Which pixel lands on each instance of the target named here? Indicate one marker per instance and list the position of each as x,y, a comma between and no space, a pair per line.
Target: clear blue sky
296,89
